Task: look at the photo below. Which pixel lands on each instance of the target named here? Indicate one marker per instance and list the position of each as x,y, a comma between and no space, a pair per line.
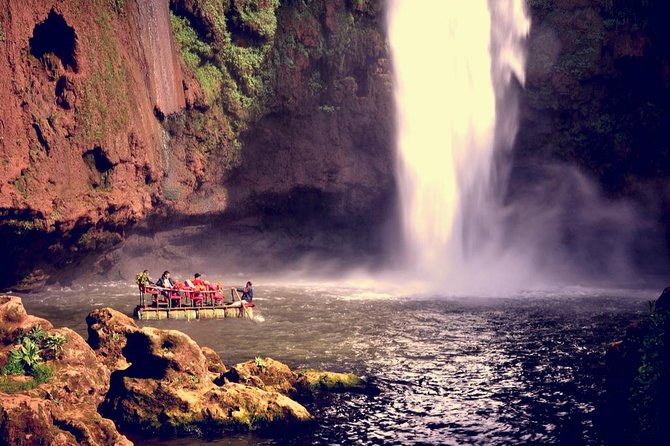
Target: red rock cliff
114,110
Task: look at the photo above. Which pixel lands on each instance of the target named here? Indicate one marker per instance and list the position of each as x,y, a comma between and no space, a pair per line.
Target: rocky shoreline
637,387
140,379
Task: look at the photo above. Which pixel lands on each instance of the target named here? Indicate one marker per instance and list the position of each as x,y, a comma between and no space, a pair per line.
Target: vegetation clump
332,381
638,367
260,363
28,357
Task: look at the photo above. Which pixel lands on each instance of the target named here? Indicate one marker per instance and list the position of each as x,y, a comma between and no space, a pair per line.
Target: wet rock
165,383
214,362
14,320
62,410
333,382
268,374
106,335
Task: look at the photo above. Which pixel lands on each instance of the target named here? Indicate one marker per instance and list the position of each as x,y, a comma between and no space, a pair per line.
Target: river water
525,369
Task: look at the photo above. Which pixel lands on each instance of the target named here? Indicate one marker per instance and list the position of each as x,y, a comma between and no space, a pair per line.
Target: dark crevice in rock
99,166
55,36
159,114
97,159
77,433
40,138
65,92
144,365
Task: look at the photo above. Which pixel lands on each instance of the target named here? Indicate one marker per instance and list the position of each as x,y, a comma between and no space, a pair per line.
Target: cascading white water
453,62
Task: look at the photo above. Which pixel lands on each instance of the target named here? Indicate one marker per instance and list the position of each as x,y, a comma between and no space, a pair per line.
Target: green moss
210,79
104,105
10,386
215,12
257,16
171,193
194,49
21,185
22,227
331,381
95,239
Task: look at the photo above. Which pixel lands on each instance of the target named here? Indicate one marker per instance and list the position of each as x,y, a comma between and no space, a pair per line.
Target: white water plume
454,63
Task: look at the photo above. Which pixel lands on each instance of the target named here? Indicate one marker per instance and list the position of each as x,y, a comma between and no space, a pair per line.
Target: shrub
259,362
36,334
54,344
41,372
14,365
29,353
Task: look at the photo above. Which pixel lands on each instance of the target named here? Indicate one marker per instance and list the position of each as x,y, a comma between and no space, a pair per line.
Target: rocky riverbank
136,379
637,401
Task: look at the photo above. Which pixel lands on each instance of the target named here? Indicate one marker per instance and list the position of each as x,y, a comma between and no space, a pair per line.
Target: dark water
457,370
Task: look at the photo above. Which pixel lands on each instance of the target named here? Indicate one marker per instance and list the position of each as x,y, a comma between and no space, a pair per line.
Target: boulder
165,383
106,336
14,321
333,382
64,409
268,374
214,362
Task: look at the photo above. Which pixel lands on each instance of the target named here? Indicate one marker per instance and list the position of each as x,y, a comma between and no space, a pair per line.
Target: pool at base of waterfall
526,369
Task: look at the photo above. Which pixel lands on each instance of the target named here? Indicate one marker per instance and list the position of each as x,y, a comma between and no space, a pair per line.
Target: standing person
247,293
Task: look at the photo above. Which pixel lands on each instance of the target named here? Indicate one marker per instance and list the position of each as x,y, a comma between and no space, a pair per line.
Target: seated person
202,284
165,282
247,293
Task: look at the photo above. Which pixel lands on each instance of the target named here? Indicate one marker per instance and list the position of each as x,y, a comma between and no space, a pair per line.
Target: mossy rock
333,382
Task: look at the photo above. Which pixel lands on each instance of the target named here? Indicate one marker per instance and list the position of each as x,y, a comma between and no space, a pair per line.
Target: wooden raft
189,313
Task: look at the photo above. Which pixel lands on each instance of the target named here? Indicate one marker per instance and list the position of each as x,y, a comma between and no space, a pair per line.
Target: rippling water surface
451,370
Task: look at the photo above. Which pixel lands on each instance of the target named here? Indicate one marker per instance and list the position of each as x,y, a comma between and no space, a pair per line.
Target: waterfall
454,65
163,69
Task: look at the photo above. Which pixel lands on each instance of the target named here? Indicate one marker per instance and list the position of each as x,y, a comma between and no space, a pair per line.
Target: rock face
597,97
81,148
62,411
267,374
118,110
170,386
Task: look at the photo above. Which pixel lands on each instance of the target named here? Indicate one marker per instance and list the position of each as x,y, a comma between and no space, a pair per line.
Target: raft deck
147,313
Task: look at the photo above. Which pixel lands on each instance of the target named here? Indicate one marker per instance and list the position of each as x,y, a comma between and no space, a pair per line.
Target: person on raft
247,293
143,278
201,283
165,282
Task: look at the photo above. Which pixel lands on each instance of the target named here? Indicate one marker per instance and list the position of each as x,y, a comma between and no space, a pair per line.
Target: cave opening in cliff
55,36
99,166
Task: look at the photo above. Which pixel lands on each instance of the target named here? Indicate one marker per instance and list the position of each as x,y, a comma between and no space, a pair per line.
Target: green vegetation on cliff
251,57
224,47
104,105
